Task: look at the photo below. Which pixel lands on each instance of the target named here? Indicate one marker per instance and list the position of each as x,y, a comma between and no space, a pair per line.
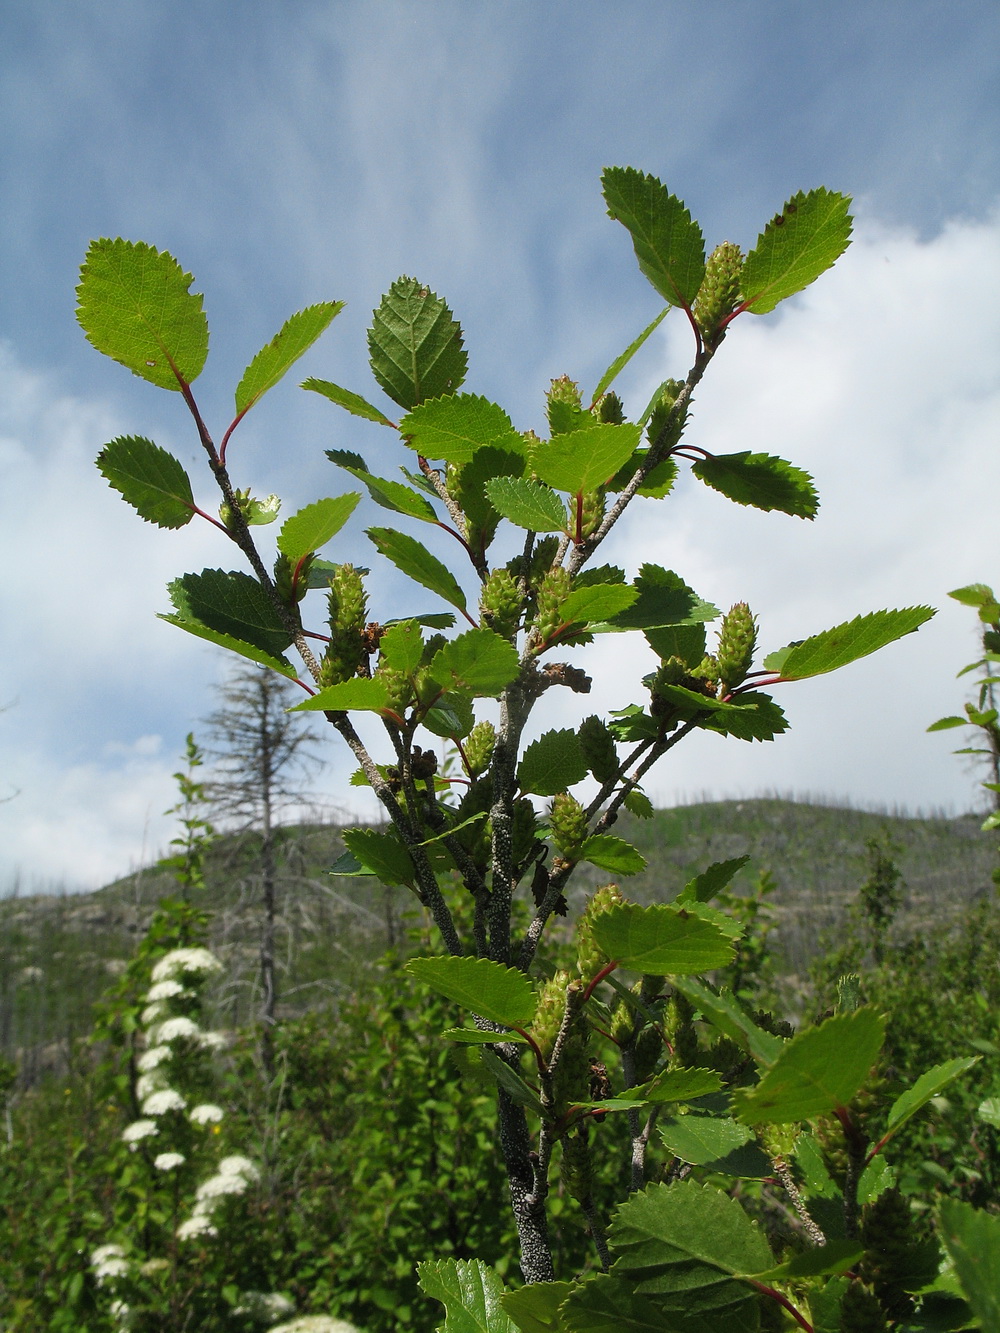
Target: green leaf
402,646
513,1084
152,481
275,661
414,560
622,360
726,1013
664,600
928,1085
946,723
668,244
819,1070
415,345
816,1178
528,504
470,1293
809,235
393,495
613,854
972,1239
845,643
478,661
877,1177
608,1304
230,603
453,428
700,1139
989,1111
357,695
296,336
829,1260
382,854
975,594
712,881
661,940
688,642
135,305
313,526
678,1085
494,992
477,1037
552,764
353,402
451,717
535,1308
584,459
659,480
748,717
471,490
600,602
761,480
686,1245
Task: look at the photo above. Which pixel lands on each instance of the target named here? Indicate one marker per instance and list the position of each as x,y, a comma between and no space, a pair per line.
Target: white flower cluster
162,1101
137,1130
153,1057
108,1263
191,962
166,990
264,1307
205,1114
316,1323
232,1177
167,1161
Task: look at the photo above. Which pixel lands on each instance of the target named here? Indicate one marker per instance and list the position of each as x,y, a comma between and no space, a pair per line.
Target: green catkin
860,1311
592,512
598,746
608,408
568,824
500,603
719,293
678,1027
549,1014
555,587
887,1235
564,406
576,1171
737,641
662,430
590,957
348,611
479,748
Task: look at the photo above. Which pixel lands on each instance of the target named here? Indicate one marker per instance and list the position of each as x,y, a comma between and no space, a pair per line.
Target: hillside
60,952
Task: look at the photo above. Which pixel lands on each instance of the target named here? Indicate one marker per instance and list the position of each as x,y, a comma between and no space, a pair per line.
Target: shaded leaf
661,940
664,600
152,481
700,1139
585,459
668,244
612,854
845,643
275,661
471,490
972,1239
820,1069
456,426
494,992
749,717
810,233
712,881
829,1260
535,1308
415,345
382,854
353,402
470,1293
313,526
479,661
513,1084
135,305
608,1304
414,560
725,1012
528,504
296,336
679,1085
231,603
761,480
402,646
552,763
451,717
477,1037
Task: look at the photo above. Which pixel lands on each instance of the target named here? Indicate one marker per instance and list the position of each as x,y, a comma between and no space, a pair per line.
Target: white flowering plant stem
514,583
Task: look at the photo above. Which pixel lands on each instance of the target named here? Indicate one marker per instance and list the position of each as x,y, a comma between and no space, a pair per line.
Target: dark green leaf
928,1085
479,661
414,560
528,504
612,854
233,604
135,305
353,402
761,480
829,1260
535,1308
688,642
357,695
585,459
470,1293
451,717
415,345
275,661
664,599
152,481
726,1013
494,992
313,526
845,643
608,1304
748,717
661,940
659,480
668,244
820,1069
622,360
552,764
809,235
972,1239
513,1084
382,854
598,602
712,881
455,427
471,490
700,1139
295,337
395,496
477,1037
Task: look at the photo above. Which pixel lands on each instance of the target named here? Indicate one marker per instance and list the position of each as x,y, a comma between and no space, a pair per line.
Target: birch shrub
718,1101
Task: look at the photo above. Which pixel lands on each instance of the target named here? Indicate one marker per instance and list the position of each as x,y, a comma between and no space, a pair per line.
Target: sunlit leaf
295,337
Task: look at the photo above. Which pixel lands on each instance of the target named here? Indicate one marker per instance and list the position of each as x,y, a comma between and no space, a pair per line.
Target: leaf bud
256,513
737,641
591,512
719,293
549,1014
568,824
648,1049
290,589
608,408
500,603
555,587
564,406
590,957
598,746
479,748
664,430
398,684
348,609
678,1028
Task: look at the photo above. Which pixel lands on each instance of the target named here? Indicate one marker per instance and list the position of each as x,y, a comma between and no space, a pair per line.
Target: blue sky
293,153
